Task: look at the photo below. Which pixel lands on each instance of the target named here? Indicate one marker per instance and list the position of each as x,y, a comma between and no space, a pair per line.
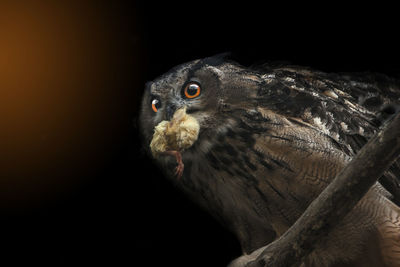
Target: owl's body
270,140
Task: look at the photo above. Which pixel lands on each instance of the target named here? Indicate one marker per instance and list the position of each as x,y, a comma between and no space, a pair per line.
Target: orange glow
57,87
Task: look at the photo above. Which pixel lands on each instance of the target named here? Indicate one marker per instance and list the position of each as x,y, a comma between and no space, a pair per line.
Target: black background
110,204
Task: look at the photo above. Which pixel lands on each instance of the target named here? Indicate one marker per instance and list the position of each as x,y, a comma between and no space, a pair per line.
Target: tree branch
335,202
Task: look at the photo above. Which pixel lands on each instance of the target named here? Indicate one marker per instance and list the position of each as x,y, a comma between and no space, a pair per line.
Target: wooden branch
335,202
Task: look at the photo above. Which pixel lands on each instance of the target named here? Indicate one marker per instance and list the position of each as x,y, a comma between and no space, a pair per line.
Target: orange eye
155,104
192,90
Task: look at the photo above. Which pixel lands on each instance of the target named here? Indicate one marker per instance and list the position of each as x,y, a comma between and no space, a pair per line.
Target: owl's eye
192,90
155,104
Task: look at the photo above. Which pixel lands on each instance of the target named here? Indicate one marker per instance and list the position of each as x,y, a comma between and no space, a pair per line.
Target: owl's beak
171,109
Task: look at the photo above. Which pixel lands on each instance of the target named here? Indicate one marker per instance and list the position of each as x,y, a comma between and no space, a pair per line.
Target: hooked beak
171,109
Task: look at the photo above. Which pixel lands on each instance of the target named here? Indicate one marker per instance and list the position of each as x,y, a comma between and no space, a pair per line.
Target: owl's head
209,89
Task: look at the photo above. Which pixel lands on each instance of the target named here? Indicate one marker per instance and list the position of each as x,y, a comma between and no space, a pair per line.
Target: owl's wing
349,109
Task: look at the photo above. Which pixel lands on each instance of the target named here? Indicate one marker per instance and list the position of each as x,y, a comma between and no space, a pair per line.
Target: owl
255,145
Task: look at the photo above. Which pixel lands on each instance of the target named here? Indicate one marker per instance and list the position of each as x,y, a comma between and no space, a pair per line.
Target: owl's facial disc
195,85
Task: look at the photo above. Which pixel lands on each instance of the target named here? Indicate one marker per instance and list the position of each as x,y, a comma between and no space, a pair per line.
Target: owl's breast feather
178,134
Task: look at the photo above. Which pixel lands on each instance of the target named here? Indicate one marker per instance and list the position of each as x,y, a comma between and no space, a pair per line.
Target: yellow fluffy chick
174,136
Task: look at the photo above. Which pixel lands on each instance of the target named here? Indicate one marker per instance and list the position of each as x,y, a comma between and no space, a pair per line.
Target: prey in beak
174,136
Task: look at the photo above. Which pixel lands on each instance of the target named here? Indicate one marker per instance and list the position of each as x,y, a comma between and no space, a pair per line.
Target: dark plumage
271,138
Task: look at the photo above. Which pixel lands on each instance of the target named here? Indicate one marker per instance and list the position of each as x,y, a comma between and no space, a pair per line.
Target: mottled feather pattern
270,139
336,104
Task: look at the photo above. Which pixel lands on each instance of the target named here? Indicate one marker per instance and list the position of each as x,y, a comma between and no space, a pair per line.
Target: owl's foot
179,170
178,157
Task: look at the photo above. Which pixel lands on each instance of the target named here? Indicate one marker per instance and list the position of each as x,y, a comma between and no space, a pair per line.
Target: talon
179,169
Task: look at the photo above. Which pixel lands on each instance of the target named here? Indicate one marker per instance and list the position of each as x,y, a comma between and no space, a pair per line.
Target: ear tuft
217,59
